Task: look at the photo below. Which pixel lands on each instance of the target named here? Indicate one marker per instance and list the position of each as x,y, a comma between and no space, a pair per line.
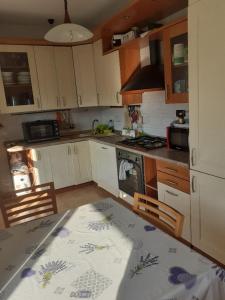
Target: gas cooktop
145,142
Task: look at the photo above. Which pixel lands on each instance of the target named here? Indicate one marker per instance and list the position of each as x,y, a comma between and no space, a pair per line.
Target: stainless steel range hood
150,77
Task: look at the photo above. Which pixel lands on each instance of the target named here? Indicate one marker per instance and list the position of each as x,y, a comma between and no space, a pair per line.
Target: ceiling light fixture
68,32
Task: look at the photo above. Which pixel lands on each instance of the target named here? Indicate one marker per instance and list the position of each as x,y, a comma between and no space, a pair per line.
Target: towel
124,167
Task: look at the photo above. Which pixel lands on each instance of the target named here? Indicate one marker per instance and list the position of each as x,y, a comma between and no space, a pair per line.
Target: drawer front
173,181
173,169
181,202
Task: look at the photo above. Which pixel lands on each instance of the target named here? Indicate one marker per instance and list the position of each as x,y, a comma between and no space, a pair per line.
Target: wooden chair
29,204
160,214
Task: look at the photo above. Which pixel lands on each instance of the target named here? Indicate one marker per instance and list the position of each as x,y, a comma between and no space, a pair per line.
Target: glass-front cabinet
19,89
175,40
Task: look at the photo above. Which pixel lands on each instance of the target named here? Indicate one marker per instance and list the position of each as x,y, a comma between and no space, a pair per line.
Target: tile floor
77,197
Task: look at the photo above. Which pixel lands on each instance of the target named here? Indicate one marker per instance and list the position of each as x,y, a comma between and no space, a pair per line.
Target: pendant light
68,32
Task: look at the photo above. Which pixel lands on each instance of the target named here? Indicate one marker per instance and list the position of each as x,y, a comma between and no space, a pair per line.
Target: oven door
134,177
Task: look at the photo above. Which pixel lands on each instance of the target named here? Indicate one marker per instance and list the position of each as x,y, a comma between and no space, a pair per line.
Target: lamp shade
68,33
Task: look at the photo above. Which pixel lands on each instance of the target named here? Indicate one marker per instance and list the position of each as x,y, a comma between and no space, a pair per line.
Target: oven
43,130
130,172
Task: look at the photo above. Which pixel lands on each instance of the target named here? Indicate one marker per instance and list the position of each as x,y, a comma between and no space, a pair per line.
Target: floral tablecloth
102,251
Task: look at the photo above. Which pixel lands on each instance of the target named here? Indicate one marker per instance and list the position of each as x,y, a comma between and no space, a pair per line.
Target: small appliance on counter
178,132
43,130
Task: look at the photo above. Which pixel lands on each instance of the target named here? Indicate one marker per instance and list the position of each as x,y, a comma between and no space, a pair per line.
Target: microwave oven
42,130
178,138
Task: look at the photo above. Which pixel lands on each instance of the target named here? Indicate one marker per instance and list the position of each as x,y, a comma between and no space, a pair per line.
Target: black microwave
42,130
178,138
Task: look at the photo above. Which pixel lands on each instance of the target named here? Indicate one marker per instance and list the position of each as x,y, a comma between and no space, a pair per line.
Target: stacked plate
24,77
8,78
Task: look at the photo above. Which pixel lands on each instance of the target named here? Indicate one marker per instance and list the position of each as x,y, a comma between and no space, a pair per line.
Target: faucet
93,125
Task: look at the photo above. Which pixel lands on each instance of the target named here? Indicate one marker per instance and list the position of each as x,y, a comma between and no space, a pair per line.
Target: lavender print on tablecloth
181,276
149,228
28,272
144,262
220,272
101,225
61,232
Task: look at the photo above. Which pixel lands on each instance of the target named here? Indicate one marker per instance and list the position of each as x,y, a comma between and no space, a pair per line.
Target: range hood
149,78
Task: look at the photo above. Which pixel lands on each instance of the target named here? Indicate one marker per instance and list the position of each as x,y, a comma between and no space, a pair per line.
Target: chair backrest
29,204
162,215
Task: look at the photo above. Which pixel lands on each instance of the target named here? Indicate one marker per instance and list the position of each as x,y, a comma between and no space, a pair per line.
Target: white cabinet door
62,165
207,88
66,77
108,77
208,211
82,156
181,202
107,168
42,171
85,75
95,157
47,77
19,90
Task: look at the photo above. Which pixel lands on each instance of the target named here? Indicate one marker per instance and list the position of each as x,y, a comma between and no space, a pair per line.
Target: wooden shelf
151,187
155,34
141,91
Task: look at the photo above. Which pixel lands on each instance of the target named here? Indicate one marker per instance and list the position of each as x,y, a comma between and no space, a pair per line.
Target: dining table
102,251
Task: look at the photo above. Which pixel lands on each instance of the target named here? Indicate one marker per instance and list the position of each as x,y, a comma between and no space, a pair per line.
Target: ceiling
36,12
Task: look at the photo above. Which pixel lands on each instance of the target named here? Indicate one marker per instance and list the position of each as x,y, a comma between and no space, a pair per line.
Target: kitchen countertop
174,156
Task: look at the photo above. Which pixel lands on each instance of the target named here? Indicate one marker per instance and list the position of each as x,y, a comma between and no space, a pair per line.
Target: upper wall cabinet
85,75
175,40
19,90
66,77
47,77
56,77
108,76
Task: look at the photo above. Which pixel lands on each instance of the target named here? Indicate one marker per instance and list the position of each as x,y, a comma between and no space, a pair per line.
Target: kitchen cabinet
82,158
85,75
175,43
181,202
66,77
207,89
208,210
19,90
104,167
42,171
62,165
47,77
56,77
108,76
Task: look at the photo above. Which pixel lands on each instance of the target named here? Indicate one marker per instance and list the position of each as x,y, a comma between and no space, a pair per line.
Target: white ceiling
36,12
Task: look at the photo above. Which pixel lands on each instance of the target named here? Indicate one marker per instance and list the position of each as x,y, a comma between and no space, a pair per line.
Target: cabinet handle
75,150
98,98
172,194
104,148
117,97
193,157
171,182
193,187
80,99
69,150
64,101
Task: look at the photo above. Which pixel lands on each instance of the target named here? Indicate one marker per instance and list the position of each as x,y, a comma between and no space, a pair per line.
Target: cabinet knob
117,97
64,101
172,194
98,98
80,99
